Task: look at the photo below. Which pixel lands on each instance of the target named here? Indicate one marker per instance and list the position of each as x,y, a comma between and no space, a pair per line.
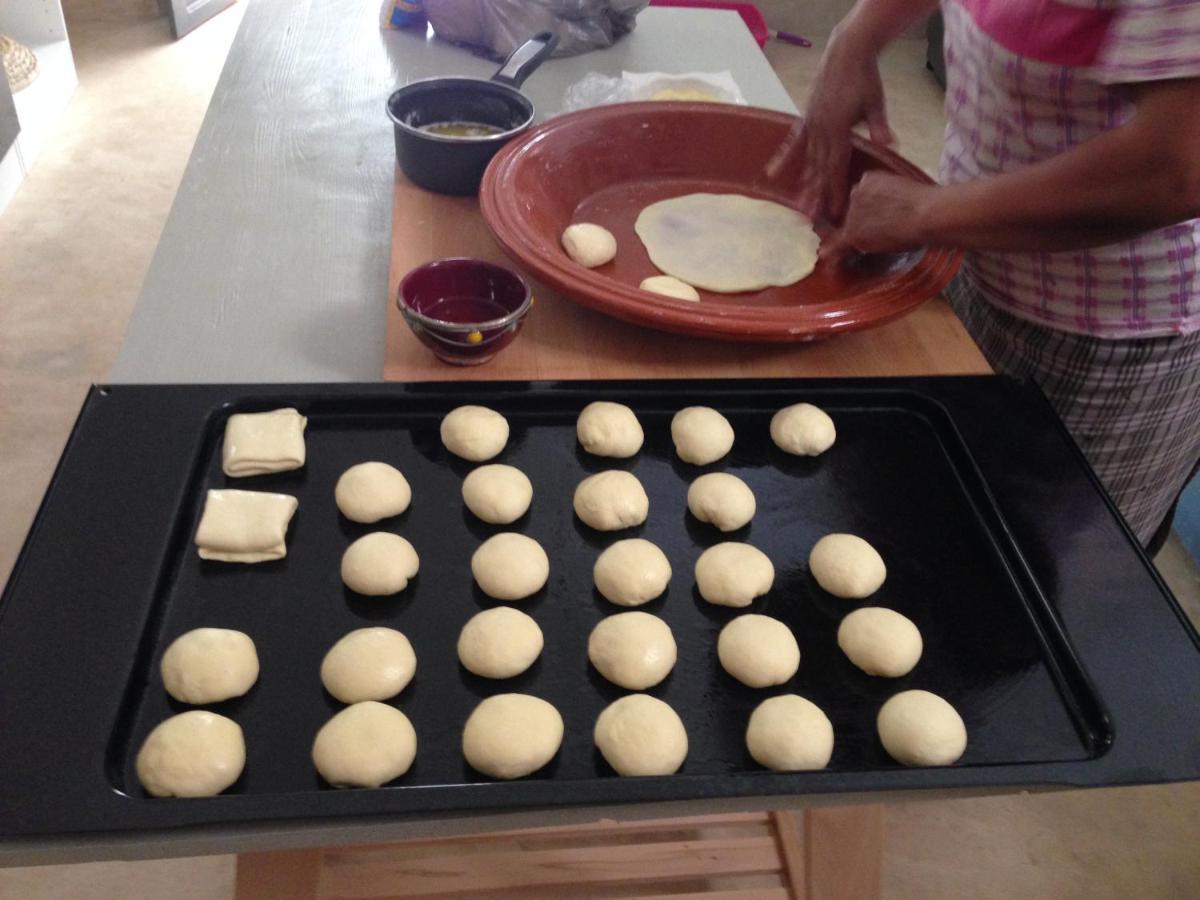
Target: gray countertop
273,264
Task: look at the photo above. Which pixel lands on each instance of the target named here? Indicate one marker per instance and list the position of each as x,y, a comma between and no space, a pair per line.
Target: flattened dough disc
728,243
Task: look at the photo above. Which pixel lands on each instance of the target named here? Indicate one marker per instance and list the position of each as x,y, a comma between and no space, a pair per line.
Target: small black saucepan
448,129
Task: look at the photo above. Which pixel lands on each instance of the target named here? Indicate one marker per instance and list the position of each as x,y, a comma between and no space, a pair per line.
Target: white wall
40,25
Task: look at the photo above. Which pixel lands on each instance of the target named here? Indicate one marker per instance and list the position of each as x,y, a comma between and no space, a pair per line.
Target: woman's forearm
876,23
1139,177
1092,196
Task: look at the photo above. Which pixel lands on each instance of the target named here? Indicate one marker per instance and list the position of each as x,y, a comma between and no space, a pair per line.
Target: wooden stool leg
844,851
278,875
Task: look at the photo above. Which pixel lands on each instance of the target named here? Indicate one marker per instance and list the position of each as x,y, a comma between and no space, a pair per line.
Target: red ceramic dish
605,165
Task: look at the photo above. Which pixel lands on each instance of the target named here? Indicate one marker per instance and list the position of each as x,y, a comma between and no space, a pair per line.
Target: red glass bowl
465,310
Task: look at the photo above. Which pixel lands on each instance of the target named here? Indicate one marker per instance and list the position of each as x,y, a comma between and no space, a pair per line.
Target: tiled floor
74,246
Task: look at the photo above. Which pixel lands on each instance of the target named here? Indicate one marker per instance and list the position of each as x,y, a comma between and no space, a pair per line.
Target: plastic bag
497,27
595,89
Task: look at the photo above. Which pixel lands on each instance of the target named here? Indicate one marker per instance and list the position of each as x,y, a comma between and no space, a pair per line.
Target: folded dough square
262,443
245,526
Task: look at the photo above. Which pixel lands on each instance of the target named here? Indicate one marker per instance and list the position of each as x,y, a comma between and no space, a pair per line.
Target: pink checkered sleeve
1151,40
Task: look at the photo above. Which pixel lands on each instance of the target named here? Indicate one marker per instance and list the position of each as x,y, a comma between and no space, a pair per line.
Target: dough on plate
633,650
612,500
263,443
722,499
244,526
631,572
641,735
789,734
497,494
803,430
193,754
499,643
208,665
728,243
609,429
372,491
589,245
758,651
733,574
847,566
880,641
686,93
379,564
510,566
512,735
365,745
701,435
918,728
474,433
368,664
669,286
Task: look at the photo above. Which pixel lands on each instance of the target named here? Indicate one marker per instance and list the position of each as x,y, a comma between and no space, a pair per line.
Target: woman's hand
846,91
886,214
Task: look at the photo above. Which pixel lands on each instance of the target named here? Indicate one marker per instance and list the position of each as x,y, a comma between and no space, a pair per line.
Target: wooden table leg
843,851
819,854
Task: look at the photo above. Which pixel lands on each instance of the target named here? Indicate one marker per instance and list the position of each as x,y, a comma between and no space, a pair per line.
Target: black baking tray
1044,624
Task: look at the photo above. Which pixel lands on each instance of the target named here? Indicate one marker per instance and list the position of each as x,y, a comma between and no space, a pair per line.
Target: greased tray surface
899,475
887,478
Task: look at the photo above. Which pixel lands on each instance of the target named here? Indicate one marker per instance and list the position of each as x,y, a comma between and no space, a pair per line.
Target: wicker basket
20,64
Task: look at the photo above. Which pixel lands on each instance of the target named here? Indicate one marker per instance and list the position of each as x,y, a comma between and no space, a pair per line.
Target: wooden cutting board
562,340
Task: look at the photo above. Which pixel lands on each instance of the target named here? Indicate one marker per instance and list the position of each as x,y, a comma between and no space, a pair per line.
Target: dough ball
724,500
633,650
368,664
918,728
193,754
758,651
365,745
880,641
609,429
847,566
701,435
208,665
510,566
612,500
589,245
499,643
669,286
631,572
733,574
379,564
511,735
803,430
789,734
497,494
475,433
640,735
372,491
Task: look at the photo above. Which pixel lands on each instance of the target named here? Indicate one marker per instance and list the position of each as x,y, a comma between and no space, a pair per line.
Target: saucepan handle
521,63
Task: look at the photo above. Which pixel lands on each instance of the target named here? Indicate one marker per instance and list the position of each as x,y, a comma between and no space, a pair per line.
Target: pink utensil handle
788,38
